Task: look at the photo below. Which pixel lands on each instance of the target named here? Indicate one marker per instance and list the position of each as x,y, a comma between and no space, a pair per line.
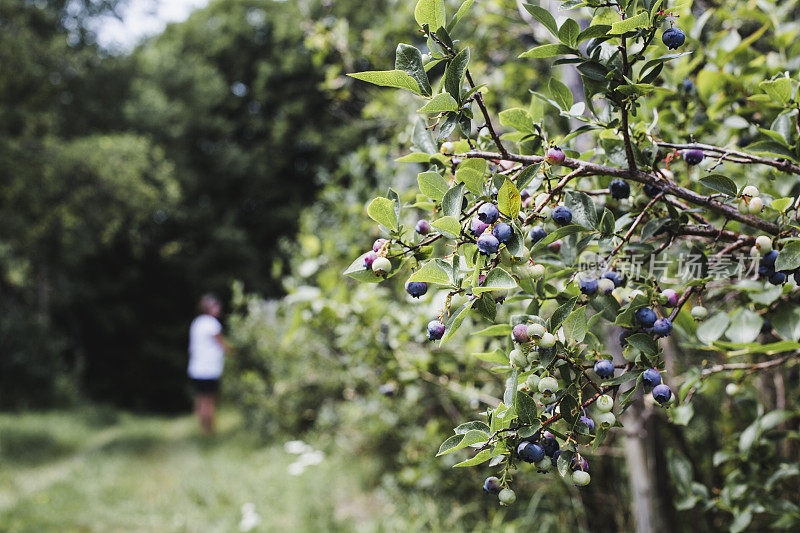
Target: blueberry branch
647,178
742,157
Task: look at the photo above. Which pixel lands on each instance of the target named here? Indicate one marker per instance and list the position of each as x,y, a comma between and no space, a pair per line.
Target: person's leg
205,412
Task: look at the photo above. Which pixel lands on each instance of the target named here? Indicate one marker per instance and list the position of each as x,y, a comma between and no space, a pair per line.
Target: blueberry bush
636,216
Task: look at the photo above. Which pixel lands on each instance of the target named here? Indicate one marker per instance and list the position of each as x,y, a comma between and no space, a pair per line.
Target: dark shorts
205,386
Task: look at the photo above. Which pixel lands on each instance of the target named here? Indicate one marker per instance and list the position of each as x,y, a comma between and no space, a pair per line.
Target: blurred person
207,349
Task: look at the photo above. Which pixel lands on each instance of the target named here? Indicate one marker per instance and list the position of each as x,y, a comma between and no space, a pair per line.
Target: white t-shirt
205,352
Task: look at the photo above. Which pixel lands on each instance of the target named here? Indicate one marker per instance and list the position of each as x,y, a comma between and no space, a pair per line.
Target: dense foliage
536,233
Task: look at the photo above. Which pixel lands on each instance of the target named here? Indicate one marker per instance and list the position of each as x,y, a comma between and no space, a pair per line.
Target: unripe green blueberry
381,266
750,190
447,148
548,385
546,211
699,312
536,330
755,205
731,389
548,340
537,272
581,478
545,464
754,251
605,403
507,497
764,244
605,285
605,418
533,357
744,208
517,358
532,382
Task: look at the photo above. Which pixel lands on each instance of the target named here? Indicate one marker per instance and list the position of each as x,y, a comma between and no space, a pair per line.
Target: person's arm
222,342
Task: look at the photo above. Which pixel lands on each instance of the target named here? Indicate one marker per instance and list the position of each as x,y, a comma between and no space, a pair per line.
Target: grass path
104,471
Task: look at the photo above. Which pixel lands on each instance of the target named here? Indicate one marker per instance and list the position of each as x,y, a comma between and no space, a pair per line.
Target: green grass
99,470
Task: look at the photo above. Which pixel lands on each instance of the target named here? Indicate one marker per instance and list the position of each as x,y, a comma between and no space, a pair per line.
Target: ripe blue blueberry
673,38
477,227
662,327
488,244
616,277
651,190
646,317
777,278
555,456
588,286
589,423
623,337
492,485
530,452
503,232
651,377
662,393
693,156
769,258
416,288
549,444
537,233
423,227
435,330
562,215
619,189
604,368
488,213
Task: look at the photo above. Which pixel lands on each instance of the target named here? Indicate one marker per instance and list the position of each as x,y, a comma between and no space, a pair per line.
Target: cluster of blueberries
766,270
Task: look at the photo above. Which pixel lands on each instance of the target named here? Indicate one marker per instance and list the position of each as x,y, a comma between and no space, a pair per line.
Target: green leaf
409,59
561,313
786,321
713,328
644,343
381,210
454,74
779,89
543,16
432,272
359,272
497,330
509,200
457,318
471,172
526,408
789,256
430,12
592,32
568,33
432,185
642,20
451,202
771,148
441,103
497,357
496,279
607,223
517,118
745,326
388,78
553,236
781,204
561,93
475,424
473,436
480,457
576,325
414,157
450,227
530,176
462,11
582,207
720,183
546,50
